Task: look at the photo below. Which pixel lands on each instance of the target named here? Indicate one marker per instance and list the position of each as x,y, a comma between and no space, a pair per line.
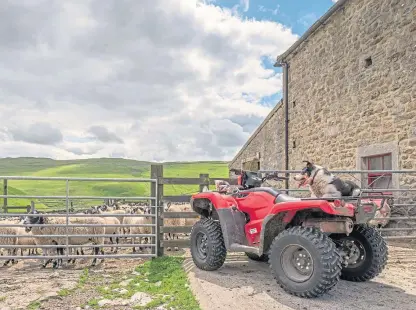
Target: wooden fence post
5,191
156,172
204,181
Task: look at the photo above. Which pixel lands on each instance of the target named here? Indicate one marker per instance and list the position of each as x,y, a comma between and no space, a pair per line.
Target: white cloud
159,80
274,11
245,4
334,1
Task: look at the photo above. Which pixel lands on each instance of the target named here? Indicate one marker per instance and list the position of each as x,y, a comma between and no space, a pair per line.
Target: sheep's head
31,220
92,210
136,210
166,206
147,210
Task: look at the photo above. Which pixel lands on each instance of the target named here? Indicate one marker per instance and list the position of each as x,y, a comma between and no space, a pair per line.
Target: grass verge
163,279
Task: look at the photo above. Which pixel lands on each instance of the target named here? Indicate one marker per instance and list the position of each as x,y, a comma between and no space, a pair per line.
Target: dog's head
304,177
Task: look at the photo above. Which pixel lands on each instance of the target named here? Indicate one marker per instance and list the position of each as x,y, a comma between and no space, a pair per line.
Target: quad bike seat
269,190
285,198
279,196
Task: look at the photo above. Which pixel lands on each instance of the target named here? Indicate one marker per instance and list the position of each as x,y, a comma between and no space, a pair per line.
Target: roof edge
256,132
310,31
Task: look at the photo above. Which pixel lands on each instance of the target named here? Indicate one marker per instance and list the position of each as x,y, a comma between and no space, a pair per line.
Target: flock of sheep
37,230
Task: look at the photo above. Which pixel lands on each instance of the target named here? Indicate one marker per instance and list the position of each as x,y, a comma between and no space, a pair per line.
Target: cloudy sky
160,80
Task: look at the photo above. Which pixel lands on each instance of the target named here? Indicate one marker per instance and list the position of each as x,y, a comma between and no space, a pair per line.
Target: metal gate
55,231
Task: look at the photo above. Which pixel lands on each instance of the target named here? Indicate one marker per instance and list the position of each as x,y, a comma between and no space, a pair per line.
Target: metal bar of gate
67,216
75,197
156,221
344,171
66,213
75,215
77,179
79,235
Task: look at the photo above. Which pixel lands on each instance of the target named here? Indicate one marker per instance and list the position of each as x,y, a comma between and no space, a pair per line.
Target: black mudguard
232,223
272,225
231,219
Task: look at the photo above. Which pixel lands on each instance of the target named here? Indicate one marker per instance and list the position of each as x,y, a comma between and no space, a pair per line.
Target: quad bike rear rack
365,210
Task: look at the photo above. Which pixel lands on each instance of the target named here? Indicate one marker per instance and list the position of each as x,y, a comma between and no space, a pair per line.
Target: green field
95,168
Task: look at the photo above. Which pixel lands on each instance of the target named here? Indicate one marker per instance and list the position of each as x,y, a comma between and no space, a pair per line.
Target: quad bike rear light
339,203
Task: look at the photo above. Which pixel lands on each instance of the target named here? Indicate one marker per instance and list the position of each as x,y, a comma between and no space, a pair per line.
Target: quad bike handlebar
269,176
250,179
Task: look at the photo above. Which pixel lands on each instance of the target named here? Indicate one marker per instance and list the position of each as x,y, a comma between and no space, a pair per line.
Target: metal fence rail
74,235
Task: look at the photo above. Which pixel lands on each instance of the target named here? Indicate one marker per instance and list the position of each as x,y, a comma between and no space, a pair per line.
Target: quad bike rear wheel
365,251
207,245
261,258
305,262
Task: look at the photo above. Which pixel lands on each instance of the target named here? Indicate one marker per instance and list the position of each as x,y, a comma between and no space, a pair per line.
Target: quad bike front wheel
305,262
365,253
207,245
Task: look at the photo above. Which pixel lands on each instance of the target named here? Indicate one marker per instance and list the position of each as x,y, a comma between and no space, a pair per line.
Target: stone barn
349,96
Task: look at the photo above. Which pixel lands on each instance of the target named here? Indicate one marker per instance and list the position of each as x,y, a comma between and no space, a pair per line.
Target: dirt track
243,284
27,282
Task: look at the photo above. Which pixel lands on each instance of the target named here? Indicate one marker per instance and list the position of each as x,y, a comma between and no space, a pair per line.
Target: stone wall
337,101
268,140
352,91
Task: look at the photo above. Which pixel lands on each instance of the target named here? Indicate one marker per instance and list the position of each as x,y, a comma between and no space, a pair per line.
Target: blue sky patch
299,15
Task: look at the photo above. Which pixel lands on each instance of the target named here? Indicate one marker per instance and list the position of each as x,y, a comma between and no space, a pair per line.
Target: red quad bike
309,243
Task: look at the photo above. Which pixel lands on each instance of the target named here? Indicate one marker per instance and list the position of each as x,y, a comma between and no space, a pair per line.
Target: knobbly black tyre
373,254
321,256
261,258
210,254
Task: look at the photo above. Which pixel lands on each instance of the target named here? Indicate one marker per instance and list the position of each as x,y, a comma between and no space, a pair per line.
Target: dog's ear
309,164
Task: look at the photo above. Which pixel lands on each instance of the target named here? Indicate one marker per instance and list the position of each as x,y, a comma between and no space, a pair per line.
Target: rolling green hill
94,168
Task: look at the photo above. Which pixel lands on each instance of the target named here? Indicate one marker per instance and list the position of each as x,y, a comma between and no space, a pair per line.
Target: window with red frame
379,162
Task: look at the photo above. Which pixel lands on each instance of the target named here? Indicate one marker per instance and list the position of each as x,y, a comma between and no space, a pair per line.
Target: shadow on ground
240,282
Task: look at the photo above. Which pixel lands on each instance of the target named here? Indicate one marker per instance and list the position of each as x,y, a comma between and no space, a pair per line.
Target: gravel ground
243,284
26,283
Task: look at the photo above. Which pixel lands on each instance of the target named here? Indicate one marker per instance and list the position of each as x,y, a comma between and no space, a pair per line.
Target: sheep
72,232
135,230
110,221
11,231
112,230
172,221
128,220
116,212
77,251
29,240
189,221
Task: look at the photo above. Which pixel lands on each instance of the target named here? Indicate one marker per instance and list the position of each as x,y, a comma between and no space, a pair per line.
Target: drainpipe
285,67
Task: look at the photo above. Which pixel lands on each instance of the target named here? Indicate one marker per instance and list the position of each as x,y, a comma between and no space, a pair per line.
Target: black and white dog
324,184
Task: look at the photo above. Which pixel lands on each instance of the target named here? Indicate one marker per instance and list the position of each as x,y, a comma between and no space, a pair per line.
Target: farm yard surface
244,284
162,283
